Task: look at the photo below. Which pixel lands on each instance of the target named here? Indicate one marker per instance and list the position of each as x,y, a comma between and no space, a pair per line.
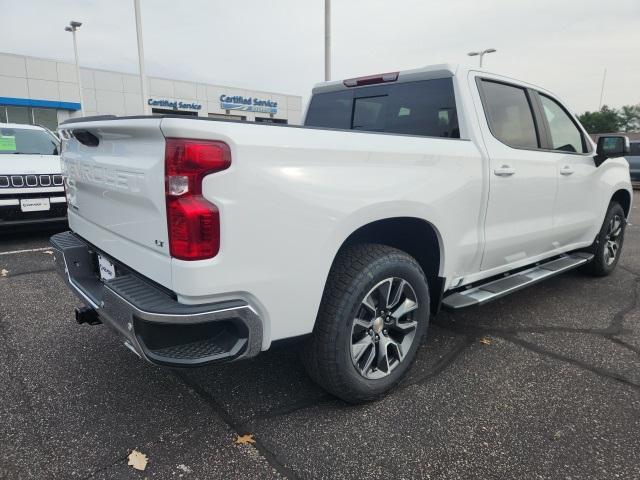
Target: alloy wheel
384,328
613,239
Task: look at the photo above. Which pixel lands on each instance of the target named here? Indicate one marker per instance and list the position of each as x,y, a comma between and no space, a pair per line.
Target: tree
630,117
604,121
609,120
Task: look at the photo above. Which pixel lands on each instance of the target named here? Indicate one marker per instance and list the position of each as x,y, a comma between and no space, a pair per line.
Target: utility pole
327,40
604,79
73,27
143,77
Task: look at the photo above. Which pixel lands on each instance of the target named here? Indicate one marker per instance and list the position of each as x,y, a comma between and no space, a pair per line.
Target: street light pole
481,54
143,77
327,40
73,27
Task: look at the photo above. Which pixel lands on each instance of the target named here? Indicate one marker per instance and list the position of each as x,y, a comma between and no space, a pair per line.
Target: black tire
602,265
328,355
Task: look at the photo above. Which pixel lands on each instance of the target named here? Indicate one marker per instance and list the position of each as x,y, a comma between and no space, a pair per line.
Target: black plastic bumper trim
32,221
125,301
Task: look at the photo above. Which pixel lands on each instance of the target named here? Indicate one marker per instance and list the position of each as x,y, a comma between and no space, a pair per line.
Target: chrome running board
481,294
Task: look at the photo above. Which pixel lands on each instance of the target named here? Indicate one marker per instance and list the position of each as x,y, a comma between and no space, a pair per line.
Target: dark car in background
634,163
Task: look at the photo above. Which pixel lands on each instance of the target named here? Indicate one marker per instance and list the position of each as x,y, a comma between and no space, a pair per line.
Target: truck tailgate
116,191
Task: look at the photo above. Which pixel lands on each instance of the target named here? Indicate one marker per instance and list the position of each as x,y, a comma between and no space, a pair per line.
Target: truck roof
428,72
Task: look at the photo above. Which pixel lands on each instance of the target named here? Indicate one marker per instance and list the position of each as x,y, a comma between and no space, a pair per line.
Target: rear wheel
373,315
609,242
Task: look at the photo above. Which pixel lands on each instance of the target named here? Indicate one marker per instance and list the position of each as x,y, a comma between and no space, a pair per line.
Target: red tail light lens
193,222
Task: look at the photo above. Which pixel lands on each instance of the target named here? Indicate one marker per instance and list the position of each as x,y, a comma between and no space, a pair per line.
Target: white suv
31,186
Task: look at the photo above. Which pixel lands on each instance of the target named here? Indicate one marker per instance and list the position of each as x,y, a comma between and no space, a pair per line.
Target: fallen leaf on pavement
486,341
245,439
3,272
138,460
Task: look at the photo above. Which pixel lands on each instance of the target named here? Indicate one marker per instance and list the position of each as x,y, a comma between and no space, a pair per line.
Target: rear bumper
152,323
12,215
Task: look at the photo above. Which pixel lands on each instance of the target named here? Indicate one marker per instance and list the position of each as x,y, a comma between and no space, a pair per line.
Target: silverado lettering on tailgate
126,180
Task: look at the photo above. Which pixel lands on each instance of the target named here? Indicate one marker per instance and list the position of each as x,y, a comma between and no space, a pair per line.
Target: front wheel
373,316
608,246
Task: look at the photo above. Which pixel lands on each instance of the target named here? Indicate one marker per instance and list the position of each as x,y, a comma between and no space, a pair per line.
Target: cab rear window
425,108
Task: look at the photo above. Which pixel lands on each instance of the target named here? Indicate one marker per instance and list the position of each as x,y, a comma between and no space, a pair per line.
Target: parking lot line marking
42,249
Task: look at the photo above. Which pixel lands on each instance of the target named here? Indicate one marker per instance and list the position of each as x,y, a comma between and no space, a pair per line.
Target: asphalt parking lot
544,383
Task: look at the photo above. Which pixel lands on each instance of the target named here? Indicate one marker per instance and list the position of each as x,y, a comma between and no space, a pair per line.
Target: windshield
28,141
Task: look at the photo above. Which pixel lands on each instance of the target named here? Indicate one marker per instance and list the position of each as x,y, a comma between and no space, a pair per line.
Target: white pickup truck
203,240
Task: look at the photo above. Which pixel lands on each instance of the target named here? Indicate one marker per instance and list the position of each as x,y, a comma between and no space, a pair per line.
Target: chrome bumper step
494,289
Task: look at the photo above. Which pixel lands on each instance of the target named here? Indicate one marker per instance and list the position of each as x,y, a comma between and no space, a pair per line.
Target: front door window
565,135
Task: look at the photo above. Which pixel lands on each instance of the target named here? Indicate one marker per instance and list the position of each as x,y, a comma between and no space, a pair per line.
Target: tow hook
87,315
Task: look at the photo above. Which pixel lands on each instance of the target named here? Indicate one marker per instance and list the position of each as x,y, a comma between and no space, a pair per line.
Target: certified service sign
174,104
248,104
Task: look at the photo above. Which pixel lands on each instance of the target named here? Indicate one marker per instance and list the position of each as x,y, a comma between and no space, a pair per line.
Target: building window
19,115
227,117
166,111
281,121
45,117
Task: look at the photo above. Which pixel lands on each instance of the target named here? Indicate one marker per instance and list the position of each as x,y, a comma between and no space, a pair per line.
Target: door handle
504,171
566,170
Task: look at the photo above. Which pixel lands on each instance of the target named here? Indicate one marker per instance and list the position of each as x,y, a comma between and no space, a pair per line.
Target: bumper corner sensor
87,315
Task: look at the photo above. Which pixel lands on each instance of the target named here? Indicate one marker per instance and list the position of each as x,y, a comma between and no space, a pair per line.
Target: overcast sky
277,45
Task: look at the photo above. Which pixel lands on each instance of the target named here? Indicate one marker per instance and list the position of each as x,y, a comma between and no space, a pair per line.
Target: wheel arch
623,197
415,236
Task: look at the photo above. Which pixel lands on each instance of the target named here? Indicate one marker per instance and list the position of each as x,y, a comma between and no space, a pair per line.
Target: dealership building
45,92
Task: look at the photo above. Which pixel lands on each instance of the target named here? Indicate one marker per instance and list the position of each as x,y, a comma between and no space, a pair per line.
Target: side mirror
611,147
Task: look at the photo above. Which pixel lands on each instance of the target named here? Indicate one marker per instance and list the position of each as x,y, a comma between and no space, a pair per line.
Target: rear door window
426,108
509,114
635,149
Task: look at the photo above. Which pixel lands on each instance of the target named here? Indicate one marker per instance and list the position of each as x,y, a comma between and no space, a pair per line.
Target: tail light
193,222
